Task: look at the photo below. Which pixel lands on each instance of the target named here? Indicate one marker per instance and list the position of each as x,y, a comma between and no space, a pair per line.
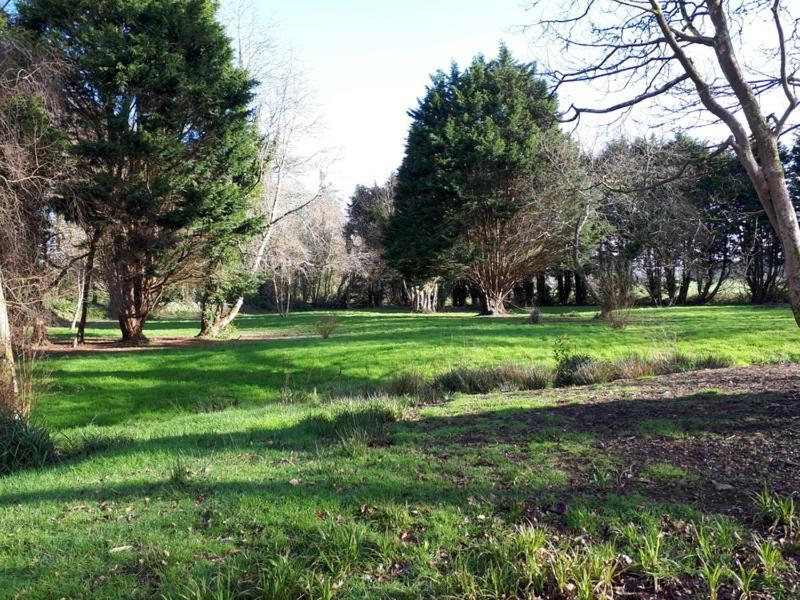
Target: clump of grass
778,511
496,378
619,319
180,475
217,404
409,384
326,325
581,369
358,424
769,559
713,574
91,443
23,443
291,395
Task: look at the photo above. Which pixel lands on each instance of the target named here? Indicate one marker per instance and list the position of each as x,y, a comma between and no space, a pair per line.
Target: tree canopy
474,148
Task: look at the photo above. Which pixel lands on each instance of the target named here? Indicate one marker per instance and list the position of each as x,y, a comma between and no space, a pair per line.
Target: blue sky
368,61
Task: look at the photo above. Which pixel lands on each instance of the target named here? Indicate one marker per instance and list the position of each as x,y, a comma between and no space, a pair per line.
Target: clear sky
367,62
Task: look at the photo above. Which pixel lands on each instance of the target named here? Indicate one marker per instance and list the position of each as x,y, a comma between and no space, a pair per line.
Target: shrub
23,443
568,363
326,325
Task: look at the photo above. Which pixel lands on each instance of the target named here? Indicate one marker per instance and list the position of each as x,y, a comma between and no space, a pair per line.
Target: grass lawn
628,489
181,476
370,347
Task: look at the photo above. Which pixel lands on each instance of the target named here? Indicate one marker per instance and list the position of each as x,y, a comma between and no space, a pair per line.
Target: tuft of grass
503,378
668,472
409,384
23,443
778,511
180,475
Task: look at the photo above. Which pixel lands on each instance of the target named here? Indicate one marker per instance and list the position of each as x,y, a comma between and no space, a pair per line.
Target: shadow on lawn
729,445
152,382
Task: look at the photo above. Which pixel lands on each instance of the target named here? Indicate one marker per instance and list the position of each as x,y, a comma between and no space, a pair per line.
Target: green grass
479,497
370,347
189,473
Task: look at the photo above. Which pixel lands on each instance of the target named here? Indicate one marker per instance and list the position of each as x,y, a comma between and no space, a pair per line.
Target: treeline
495,206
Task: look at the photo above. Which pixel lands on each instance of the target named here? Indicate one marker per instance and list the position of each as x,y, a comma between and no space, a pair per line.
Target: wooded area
174,259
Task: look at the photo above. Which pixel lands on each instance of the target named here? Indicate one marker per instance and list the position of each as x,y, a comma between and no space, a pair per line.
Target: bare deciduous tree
30,161
284,110
708,56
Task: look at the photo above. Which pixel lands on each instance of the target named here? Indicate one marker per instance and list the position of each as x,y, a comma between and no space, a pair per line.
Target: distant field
371,346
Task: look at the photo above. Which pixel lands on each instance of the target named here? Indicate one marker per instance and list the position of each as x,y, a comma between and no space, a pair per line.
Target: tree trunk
134,302
775,197
80,335
494,303
581,290
132,327
78,303
542,291
9,388
424,298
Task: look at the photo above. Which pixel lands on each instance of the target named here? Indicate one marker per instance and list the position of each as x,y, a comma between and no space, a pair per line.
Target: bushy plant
326,325
568,364
23,443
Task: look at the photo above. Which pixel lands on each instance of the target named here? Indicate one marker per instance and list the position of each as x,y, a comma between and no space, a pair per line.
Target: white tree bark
9,388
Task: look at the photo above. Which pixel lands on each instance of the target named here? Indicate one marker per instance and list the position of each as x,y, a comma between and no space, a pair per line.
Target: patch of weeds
780,512
23,443
217,404
180,475
658,427
668,472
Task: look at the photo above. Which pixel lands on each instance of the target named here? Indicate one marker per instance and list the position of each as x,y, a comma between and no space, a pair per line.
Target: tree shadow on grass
729,445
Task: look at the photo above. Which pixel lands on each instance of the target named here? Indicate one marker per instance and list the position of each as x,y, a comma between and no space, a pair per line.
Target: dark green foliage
568,363
474,143
23,444
165,140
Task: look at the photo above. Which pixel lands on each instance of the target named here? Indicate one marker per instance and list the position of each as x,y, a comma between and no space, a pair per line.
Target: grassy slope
370,347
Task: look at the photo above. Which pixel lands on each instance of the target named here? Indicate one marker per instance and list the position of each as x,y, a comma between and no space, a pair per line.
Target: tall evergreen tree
474,150
158,112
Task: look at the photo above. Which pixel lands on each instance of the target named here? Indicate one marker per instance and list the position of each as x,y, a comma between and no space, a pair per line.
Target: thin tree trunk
80,335
9,388
79,303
